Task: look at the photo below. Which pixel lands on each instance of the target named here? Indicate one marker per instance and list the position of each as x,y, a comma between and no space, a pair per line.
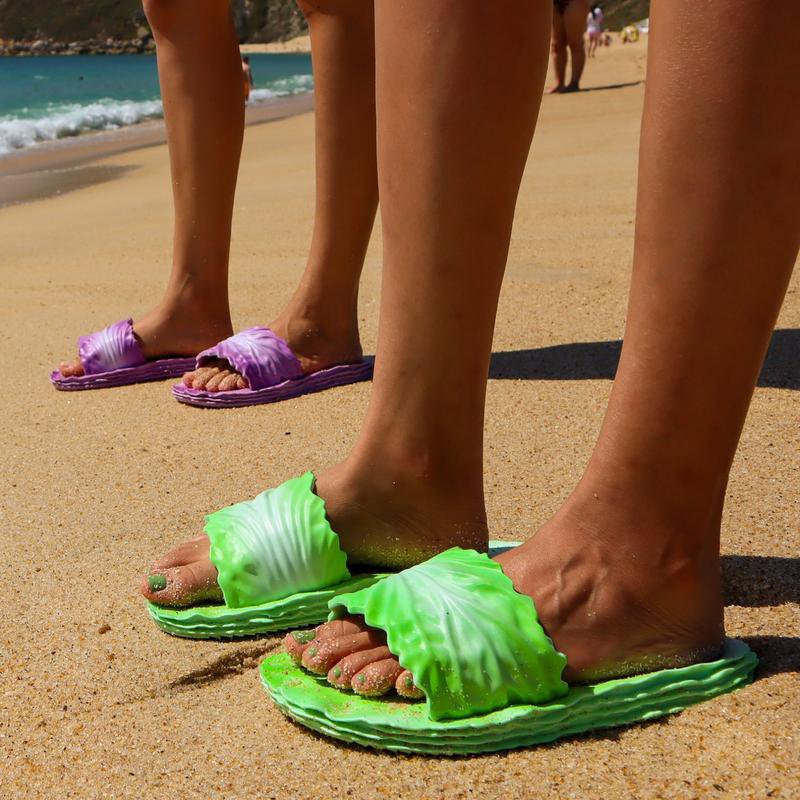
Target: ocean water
50,97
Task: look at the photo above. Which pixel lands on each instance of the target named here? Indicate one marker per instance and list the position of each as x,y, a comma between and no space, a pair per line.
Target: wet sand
63,165
95,702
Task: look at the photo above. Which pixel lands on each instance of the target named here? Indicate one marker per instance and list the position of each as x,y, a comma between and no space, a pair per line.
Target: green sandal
279,564
491,676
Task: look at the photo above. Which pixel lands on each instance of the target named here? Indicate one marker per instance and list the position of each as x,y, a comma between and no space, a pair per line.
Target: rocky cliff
82,21
89,26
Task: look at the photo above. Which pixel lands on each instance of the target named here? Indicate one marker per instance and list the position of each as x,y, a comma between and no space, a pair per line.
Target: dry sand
96,702
300,44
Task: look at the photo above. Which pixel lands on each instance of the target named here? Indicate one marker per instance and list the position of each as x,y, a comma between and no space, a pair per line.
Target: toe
229,382
341,674
195,376
296,643
182,586
188,378
242,382
347,626
202,376
321,654
405,686
71,369
185,553
215,382
377,678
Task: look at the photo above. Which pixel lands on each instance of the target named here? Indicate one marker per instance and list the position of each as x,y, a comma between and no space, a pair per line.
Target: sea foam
70,120
282,87
61,121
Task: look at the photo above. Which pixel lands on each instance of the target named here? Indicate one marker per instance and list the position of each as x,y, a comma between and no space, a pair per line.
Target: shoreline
61,165
34,48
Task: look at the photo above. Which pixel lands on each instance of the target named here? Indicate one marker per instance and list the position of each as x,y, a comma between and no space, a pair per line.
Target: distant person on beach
247,75
569,25
625,575
629,34
594,29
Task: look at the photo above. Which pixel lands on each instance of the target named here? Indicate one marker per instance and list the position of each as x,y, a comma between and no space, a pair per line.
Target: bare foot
168,332
388,521
352,656
614,605
557,89
183,576
317,347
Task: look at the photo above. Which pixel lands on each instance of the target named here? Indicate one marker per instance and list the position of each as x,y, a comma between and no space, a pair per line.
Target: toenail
409,681
303,637
312,651
360,678
337,672
156,582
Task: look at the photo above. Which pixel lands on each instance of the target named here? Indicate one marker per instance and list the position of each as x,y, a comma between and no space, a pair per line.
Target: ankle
191,299
194,322
682,504
619,600
420,457
638,525
182,325
319,337
392,517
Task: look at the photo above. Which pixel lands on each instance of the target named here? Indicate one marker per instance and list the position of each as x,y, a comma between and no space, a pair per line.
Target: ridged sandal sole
402,726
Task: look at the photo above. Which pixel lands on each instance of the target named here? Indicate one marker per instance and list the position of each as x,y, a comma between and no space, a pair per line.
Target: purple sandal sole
158,370
316,382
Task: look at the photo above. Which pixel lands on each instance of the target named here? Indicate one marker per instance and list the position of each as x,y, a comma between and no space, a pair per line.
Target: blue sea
50,97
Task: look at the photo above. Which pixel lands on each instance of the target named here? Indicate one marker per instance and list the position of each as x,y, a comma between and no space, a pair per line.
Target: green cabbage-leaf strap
472,642
276,545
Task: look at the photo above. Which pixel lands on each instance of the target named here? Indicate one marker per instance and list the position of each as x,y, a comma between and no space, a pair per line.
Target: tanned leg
320,322
626,576
558,47
453,136
201,85
574,28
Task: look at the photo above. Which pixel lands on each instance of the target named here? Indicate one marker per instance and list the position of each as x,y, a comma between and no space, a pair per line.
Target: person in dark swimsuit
569,25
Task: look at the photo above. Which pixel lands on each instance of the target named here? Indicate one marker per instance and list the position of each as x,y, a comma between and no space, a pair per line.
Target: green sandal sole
220,622
393,724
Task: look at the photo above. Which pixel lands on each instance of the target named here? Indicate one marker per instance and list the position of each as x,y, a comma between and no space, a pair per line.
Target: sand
63,165
95,702
300,44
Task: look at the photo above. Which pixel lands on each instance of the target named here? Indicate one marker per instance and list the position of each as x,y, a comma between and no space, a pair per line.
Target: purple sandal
112,357
271,369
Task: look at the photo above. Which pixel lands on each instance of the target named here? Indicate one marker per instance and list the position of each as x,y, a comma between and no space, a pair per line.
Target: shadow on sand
776,654
598,361
611,86
38,184
756,581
